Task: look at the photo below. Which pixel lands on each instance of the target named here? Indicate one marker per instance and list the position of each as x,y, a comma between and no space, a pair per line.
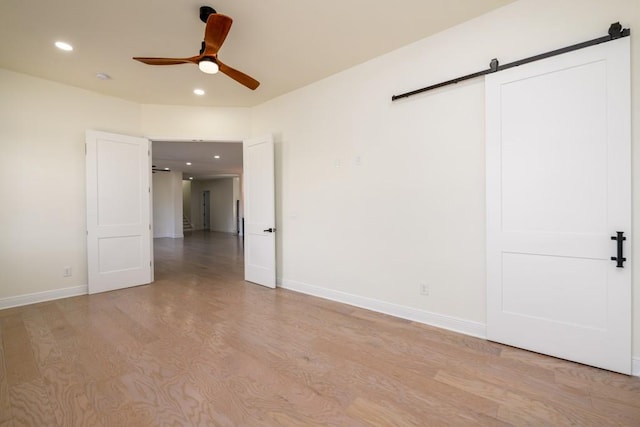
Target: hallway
203,253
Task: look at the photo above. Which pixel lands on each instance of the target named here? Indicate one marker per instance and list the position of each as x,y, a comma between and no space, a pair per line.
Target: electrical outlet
67,272
424,289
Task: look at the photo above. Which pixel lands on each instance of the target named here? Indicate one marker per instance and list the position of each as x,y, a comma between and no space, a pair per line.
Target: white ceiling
175,155
285,44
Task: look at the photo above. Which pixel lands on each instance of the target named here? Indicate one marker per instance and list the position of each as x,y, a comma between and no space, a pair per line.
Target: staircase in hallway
186,224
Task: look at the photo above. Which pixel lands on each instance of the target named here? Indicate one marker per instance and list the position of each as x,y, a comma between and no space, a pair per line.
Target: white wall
167,204
207,123
375,197
42,174
221,204
42,180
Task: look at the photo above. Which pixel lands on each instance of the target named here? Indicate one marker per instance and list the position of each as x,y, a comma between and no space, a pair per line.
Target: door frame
235,140
206,210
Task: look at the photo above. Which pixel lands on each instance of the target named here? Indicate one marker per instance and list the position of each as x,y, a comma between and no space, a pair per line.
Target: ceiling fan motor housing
205,11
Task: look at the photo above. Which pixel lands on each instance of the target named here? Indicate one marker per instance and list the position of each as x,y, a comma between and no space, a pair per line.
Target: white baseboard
467,327
37,297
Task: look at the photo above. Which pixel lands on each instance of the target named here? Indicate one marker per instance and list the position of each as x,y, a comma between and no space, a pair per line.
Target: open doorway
197,189
213,204
206,210
184,172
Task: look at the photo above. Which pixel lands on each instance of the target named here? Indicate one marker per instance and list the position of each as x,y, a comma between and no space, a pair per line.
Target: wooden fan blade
168,61
238,76
215,33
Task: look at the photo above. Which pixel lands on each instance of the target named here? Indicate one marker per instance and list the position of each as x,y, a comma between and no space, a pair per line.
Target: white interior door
558,187
118,211
259,211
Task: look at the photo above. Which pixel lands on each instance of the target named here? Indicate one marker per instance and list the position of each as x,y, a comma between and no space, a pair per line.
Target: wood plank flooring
201,347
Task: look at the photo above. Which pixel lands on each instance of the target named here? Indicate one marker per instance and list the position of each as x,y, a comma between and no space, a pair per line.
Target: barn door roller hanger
615,32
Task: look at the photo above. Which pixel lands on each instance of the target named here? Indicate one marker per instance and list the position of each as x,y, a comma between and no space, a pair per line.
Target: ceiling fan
155,169
215,33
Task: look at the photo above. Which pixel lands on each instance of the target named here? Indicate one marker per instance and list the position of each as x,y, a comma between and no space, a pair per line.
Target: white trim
635,366
37,297
475,329
467,327
234,140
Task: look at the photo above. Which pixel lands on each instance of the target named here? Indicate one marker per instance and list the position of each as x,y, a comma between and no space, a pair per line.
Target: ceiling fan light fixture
215,33
208,65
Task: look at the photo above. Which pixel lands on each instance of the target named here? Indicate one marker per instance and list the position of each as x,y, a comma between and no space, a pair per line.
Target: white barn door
118,211
259,210
558,189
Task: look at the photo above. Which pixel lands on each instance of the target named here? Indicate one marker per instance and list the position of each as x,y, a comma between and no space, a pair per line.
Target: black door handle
620,259
269,230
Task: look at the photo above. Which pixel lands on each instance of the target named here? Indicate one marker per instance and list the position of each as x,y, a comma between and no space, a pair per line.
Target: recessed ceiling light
64,46
188,163
198,92
167,169
103,76
190,177
216,157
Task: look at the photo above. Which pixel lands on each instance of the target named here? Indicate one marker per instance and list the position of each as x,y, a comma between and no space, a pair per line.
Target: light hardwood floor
202,347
